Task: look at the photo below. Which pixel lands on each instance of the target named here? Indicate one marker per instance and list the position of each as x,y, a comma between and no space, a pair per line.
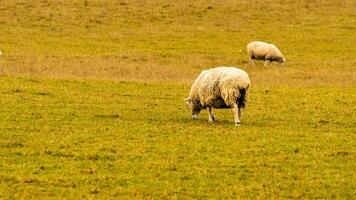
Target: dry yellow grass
183,70
159,41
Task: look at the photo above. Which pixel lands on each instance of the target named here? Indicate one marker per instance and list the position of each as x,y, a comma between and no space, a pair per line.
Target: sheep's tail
242,100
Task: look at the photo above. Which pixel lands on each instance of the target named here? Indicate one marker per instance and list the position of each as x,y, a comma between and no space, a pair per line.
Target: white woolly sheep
264,51
221,88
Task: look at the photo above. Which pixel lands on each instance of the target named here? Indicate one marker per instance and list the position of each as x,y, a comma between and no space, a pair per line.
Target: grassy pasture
91,139
172,41
92,100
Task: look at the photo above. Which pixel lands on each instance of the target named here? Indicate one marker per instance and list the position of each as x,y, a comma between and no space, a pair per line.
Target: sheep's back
231,86
260,49
213,86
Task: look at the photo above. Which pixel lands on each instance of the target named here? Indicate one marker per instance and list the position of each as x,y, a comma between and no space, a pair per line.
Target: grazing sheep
264,51
221,87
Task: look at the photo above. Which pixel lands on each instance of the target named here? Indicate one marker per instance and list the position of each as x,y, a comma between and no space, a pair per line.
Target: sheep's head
282,60
193,107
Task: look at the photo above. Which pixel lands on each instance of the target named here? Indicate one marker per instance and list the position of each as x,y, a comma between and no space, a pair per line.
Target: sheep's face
193,107
282,60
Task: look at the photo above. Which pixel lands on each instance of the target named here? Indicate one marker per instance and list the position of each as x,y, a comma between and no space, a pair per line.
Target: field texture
91,100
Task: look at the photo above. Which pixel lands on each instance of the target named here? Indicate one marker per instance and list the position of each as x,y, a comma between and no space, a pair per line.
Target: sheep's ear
188,100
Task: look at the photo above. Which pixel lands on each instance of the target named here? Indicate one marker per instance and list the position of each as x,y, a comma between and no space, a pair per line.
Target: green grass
91,100
100,139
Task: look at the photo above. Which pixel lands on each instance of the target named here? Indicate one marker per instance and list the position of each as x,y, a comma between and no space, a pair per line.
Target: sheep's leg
211,115
195,114
239,109
250,61
267,62
236,110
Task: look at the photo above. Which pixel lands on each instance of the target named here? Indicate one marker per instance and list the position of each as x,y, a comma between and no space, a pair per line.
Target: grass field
92,104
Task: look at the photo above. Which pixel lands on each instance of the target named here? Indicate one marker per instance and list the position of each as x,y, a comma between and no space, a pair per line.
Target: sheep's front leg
250,61
267,62
236,110
211,115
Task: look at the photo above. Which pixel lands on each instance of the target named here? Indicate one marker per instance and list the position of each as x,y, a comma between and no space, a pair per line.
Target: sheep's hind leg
211,115
239,109
236,110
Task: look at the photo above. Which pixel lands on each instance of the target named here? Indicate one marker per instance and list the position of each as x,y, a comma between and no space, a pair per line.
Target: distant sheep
222,88
264,51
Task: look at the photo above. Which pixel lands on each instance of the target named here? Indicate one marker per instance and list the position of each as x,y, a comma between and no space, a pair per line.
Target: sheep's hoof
237,124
